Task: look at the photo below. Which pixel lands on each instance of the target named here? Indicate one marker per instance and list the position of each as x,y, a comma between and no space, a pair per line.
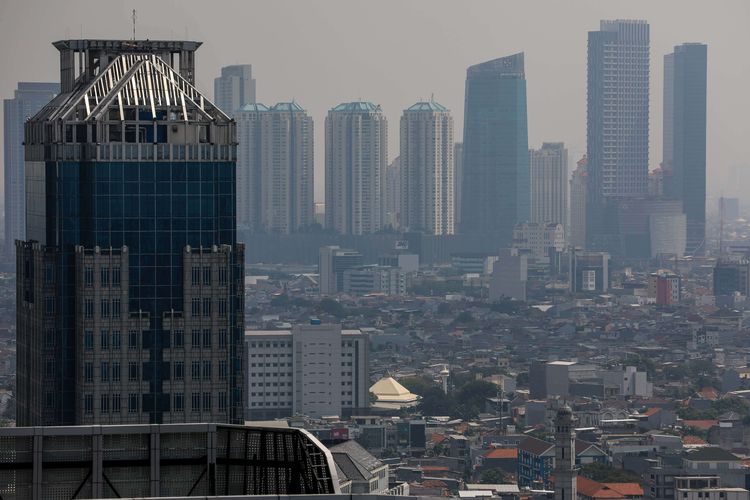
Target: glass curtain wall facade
685,153
495,170
130,283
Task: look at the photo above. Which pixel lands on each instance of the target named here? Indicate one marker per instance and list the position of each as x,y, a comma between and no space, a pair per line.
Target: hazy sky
394,52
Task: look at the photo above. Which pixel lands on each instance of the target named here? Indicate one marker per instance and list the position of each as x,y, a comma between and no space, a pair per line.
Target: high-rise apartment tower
274,168
427,169
617,124
355,173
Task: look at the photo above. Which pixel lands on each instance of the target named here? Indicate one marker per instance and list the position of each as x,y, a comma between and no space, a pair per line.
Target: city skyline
553,116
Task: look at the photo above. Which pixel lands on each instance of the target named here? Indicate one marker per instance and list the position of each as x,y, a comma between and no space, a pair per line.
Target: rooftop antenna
134,18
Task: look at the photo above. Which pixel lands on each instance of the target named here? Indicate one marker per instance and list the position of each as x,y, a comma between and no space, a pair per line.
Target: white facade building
355,170
540,239
314,370
375,279
427,169
549,183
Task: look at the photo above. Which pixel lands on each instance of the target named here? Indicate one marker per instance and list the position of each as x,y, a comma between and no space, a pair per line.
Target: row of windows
207,303
106,277
112,403
106,308
346,343
280,374
110,339
270,394
205,273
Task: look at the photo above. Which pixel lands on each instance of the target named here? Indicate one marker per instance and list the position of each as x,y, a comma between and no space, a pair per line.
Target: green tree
418,385
494,476
332,307
608,474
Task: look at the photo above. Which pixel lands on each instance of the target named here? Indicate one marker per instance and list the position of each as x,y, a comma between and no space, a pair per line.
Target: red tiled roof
594,489
627,489
651,411
700,424
434,483
709,393
695,440
437,438
502,453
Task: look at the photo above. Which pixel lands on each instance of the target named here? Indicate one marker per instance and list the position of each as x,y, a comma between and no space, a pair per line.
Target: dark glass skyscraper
617,124
130,283
684,162
495,181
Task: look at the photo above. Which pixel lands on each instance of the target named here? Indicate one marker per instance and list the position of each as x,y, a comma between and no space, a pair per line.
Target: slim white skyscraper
549,184
234,88
274,168
427,182
356,160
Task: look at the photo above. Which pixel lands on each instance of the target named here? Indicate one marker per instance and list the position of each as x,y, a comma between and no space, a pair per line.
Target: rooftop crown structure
130,282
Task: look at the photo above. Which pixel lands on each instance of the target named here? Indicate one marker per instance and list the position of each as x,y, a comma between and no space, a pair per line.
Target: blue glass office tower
28,98
495,181
684,164
130,283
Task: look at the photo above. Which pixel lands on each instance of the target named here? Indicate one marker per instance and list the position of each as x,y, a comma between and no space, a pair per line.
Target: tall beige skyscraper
355,174
427,173
549,183
274,168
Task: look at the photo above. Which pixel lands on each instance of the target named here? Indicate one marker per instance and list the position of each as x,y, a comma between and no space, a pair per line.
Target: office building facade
549,183
28,98
589,272
495,192
356,159
130,282
617,123
684,162
427,173
275,168
731,275
542,242
332,263
234,88
314,370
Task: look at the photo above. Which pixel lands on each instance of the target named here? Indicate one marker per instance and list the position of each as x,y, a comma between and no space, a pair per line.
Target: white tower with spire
565,472
444,374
